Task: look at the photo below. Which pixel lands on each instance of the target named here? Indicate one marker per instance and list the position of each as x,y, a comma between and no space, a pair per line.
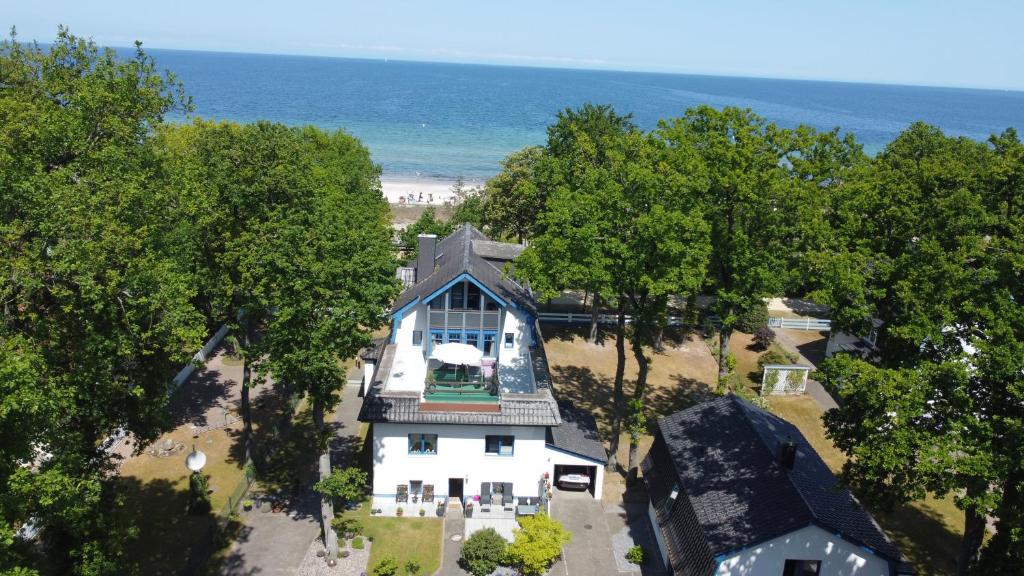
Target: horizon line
578,68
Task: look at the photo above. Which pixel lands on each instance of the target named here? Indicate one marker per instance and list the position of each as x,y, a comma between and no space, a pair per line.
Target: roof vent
787,454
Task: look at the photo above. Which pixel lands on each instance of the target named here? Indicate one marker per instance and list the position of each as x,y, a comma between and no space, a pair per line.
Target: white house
738,491
482,429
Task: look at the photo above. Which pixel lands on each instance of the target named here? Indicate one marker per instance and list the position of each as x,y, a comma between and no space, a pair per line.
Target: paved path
454,525
815,390
590,551
275,544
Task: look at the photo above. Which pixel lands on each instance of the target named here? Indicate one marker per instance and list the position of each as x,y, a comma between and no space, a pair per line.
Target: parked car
576,481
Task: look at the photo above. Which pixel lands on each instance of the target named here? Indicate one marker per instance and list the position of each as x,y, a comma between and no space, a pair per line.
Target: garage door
589,472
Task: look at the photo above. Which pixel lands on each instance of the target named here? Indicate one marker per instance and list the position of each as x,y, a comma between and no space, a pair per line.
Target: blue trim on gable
396,318
401,311
466,276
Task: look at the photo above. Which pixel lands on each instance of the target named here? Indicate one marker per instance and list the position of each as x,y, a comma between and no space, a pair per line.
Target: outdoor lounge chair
485,493
506,494
428,493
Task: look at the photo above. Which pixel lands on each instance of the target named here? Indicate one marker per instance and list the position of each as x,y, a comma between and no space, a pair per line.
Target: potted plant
400,511
469,510
247,505
423,512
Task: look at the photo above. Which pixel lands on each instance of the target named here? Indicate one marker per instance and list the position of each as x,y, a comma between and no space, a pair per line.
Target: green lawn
404,538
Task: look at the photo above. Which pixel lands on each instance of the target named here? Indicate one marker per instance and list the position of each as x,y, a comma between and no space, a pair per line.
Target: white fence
198,358
584,318
816,324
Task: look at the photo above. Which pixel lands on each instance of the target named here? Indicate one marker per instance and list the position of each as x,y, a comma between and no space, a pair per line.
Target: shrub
400,511
775,356
794,380
636,555
344,553
412,567
357,543
750,320
199,493
482,552
538,542
388,566
771,381
346,485
347,527
422,512
763,338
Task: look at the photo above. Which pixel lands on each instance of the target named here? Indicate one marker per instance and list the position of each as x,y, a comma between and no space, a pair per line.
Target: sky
977,44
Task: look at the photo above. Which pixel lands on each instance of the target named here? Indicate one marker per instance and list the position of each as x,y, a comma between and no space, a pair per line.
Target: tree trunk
970,545
594,313
245,404
620,369
324,465
638,394
1004,553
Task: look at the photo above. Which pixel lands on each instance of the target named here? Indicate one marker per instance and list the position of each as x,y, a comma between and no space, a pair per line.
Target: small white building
738,491
488,431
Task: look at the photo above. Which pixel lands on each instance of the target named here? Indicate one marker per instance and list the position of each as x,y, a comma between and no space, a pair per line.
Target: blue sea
446,120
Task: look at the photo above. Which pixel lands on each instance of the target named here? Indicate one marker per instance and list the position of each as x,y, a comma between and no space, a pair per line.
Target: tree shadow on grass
170,540
683,393
586,390
205,389
923,537
571,332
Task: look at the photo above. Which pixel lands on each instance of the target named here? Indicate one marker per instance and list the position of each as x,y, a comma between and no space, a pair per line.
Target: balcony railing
461,386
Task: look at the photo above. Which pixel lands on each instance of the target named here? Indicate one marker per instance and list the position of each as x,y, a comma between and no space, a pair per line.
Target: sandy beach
421,191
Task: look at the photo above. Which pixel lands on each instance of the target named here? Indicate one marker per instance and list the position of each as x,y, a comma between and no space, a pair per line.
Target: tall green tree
743,158
325,265
96,310
516,195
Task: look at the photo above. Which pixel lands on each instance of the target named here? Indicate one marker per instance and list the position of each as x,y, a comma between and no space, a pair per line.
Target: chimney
425,260
787,454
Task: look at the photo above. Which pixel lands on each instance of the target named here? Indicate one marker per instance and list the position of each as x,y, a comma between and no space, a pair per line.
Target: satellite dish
196,460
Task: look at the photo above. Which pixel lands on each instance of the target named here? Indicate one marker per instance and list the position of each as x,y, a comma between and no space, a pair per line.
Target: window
801,568
489,343
436,337
500,445
417,337
458,296
473,339
489,304
509,339
455,336
422,443
437,303
472,296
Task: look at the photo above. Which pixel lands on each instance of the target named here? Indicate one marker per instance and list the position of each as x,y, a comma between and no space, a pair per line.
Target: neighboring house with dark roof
461,430
736,490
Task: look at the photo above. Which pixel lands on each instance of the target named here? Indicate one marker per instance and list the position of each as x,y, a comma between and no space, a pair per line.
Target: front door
455,488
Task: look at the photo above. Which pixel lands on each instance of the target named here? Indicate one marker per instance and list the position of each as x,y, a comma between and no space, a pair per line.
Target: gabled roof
724,457
468,251
577,434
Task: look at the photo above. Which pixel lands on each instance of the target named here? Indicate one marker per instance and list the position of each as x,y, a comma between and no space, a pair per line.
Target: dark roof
577,433
455,255
724,456
492,250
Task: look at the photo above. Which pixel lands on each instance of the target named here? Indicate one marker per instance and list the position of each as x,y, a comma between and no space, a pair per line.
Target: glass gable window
500,445
458,296
438,302
489,343
422,443
489,304
472,296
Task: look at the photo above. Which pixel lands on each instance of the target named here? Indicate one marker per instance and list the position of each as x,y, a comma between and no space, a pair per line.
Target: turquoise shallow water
445,120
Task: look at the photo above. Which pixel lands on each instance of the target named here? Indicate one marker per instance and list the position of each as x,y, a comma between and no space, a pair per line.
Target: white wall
839,557
460,454
657,534
516,323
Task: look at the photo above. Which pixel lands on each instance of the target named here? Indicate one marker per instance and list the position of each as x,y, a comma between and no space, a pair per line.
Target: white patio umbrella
459,354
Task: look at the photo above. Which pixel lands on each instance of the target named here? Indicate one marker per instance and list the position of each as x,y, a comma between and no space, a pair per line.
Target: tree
516,196
482,552
325,266
742,156
427,223
345,485
96,308
538,542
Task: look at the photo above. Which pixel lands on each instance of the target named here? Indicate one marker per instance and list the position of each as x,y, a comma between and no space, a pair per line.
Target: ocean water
445,120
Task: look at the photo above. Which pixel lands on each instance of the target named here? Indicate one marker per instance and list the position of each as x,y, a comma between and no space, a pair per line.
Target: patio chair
403,493
485,493
428,493
506,496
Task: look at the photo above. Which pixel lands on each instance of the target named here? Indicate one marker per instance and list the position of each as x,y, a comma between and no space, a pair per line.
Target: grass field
404,538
